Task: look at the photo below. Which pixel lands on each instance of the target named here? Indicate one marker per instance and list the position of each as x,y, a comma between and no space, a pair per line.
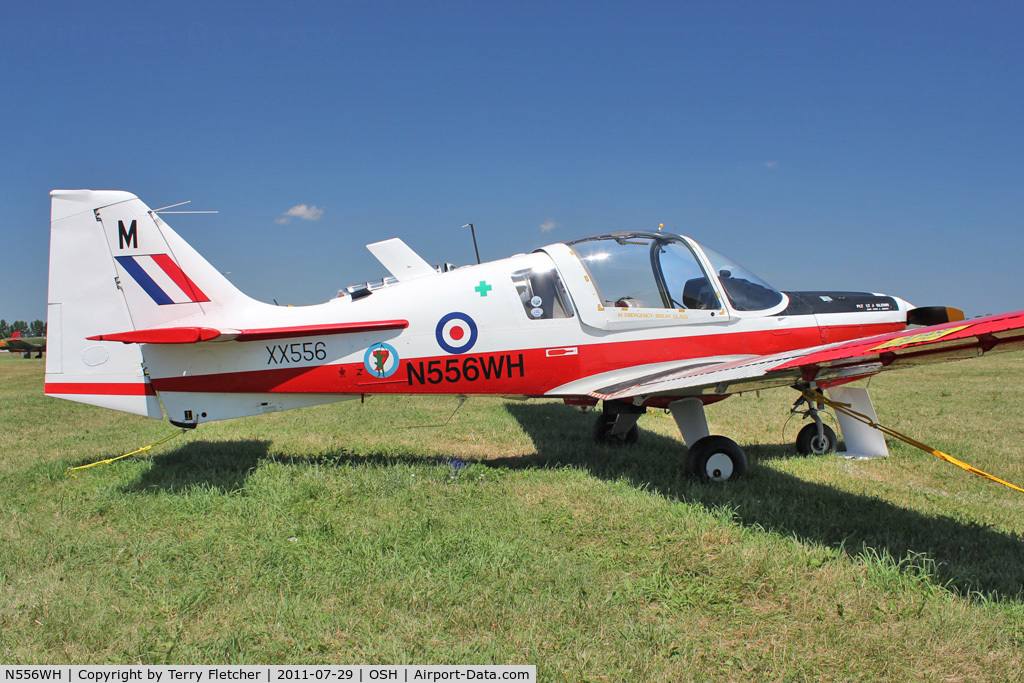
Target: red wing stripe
178,275
100,388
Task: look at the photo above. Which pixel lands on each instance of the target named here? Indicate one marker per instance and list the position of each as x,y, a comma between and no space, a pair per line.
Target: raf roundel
456,333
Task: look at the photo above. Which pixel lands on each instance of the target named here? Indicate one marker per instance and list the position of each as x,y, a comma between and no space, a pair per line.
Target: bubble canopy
662,270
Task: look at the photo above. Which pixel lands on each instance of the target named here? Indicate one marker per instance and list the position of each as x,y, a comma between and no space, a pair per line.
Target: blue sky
862,146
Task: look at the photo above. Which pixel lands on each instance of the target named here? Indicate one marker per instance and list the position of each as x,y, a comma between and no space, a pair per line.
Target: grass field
369,533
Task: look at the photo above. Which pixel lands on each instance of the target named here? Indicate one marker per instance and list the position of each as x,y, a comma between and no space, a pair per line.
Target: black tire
716,458
603,432
807,442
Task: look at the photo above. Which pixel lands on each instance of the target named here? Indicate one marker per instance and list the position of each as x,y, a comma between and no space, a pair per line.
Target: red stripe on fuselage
502,372
100,388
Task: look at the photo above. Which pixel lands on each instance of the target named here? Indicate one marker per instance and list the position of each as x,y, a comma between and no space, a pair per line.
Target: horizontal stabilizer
317,330
168,335
193,335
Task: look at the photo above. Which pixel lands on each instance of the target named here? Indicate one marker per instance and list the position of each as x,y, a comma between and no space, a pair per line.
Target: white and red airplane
137,318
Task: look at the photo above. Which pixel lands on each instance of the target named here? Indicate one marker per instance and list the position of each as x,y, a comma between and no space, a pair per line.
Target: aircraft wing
827,363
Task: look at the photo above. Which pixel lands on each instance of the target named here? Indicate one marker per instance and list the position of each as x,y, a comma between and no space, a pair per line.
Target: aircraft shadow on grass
970,559
226,465
217,465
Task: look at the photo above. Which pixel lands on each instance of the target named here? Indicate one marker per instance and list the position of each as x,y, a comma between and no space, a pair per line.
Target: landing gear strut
817,438
616,425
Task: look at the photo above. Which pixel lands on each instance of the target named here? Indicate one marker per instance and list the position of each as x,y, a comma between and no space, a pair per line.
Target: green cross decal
483,288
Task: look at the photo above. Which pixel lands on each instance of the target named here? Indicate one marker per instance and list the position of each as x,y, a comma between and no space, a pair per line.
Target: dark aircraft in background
25,345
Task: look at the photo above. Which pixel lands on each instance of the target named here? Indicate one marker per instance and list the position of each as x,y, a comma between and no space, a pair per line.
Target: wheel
808,443
603,431
716,458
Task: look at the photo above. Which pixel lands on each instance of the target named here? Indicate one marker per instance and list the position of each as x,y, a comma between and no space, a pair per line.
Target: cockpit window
746,291
542,293
685,282
621,271
646,271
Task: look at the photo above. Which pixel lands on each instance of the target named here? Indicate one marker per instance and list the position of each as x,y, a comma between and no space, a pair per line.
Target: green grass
349,534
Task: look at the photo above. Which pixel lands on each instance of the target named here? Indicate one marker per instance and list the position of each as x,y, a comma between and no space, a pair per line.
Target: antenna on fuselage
473,232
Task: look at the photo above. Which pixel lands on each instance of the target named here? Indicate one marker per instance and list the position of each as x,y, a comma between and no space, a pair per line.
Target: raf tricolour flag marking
162,279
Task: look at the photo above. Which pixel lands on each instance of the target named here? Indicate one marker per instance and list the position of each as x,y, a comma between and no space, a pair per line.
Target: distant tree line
37,328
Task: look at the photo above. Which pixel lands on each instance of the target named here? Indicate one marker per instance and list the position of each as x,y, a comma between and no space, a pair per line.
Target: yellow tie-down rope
817,396
135,452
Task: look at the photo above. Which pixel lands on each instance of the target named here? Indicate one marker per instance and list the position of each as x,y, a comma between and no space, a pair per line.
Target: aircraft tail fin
115,266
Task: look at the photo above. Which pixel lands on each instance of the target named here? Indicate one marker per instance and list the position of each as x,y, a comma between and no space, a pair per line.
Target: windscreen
746,291
646,271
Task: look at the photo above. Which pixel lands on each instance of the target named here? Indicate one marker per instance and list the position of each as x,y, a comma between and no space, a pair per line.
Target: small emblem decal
381,360
456,333
483,288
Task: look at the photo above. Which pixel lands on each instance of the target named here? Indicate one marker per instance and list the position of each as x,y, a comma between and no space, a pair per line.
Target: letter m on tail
129,236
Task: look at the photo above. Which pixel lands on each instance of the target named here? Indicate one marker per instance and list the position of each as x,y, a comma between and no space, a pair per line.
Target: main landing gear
716,458
709,458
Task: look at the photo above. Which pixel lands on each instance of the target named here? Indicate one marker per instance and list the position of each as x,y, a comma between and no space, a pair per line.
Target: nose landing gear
817,438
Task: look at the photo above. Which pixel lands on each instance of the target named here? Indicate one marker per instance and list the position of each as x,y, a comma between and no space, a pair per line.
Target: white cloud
548,225
306,213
